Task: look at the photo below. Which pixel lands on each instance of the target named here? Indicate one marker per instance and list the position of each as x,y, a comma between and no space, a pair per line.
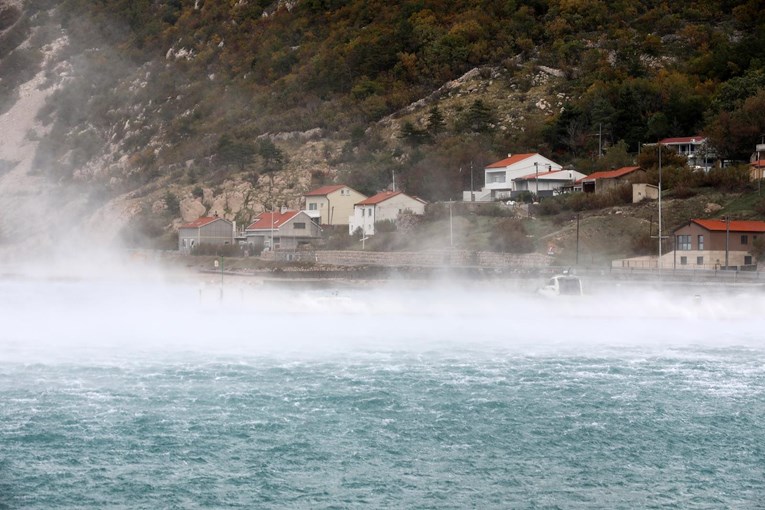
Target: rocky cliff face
53,194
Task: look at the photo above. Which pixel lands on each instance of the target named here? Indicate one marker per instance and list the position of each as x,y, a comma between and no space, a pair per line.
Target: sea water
136,395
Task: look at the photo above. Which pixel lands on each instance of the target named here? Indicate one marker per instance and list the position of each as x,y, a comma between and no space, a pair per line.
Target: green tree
479,118
232,151
273,157
172,204
436,123
412,135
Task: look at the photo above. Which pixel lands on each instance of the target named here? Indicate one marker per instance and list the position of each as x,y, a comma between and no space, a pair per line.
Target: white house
695,148
332,204
546,184
383,206
499,176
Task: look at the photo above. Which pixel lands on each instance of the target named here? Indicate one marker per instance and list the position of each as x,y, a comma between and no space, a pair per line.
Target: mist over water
177,391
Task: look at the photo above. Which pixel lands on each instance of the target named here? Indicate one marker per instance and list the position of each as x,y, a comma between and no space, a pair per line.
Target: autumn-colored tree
734,134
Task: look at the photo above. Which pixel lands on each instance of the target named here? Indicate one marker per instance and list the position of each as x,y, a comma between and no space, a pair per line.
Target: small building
717,243
499,176
545,184
387,205
283,230
332,204
644,191
208,230
757,170
696,148
599,182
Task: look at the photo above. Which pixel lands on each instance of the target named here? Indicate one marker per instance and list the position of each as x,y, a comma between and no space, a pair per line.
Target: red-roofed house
332,204
717,243
387,205
598,182
205,230
695,148
282,230
707,244
546,184
499,176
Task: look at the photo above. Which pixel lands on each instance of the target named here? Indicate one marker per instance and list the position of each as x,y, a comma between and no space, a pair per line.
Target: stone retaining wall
435,258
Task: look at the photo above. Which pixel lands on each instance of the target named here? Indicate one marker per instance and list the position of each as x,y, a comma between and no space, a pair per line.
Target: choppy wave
167,396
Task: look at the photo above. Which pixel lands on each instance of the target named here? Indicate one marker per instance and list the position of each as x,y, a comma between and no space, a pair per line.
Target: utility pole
660,232
577,239
451,225
472,196
727,240
536,179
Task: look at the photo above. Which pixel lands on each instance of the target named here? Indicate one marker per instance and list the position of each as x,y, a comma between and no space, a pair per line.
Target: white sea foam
46,319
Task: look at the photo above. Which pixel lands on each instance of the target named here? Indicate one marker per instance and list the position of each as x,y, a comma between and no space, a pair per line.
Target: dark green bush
510,236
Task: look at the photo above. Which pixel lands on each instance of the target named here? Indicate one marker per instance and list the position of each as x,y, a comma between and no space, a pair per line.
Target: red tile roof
609,174
510,161
380,197
683,139
263,220
533,176
201,222
719,225
324,190
759,164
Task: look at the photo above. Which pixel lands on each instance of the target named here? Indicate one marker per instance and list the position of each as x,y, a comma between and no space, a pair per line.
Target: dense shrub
510,236
226,250
734,178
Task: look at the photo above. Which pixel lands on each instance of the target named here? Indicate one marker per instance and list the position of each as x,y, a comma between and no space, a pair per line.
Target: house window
699,261
312,207
684,243
701,242
299,225
747,260
744,239
496,177
683,261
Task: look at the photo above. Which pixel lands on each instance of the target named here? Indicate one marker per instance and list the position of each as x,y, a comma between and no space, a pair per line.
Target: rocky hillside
127,118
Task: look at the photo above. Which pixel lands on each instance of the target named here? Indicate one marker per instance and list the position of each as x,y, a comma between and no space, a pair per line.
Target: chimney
283,209
509,154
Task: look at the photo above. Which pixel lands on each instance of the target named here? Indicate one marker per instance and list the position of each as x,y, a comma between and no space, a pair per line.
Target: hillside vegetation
188,106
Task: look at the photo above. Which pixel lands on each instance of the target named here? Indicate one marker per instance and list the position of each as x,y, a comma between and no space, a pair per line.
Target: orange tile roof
324,190
609,174
759,164
541,174
380,197
510,161
683,139
719,225
263,220
201,222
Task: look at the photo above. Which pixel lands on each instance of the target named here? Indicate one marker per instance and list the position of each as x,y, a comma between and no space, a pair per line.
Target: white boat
562,285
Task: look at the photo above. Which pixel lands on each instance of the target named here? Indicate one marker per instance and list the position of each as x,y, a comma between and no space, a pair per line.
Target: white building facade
499,176
387,205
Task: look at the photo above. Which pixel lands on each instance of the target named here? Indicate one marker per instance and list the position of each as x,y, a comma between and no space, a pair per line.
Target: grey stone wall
435,258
